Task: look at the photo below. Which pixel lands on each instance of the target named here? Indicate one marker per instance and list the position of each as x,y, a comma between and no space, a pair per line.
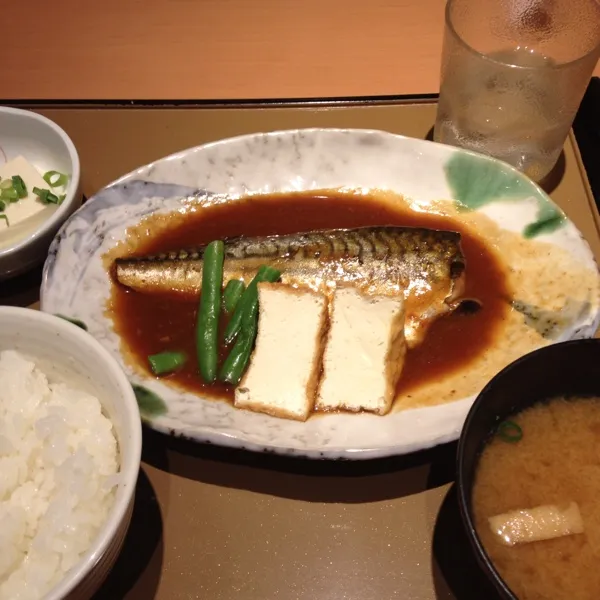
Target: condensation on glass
513,75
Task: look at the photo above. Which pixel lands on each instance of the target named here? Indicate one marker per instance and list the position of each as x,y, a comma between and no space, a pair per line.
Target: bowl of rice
70,448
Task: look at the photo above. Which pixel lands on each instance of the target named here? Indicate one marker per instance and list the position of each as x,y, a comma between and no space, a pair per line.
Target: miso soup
544,460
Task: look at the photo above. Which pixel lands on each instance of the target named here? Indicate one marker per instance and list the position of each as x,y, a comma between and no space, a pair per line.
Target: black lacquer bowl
565,369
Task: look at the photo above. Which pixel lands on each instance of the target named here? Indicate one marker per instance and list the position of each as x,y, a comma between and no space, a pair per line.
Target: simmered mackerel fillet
426,265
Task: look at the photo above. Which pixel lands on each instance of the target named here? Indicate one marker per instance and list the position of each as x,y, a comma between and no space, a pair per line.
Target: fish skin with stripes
426,265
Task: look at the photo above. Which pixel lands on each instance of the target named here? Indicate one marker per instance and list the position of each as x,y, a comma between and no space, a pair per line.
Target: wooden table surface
220,49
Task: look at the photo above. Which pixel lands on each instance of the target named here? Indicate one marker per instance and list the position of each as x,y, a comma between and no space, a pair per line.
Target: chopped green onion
55,178
19,185
509,431
61,198
6,184
41,194
9,194
2,205
5,218
46,196
166,362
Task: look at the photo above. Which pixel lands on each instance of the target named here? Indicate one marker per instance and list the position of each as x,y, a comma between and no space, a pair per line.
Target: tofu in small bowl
39,187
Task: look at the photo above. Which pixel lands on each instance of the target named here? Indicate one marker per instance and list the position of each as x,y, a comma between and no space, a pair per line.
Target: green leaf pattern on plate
551,324
77,322
549,219
476,181
150,403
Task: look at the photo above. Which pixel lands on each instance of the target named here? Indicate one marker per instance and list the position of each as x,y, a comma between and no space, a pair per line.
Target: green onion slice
9,194
509,431
41,194
7,184
46,196
5,218
55,178
19,185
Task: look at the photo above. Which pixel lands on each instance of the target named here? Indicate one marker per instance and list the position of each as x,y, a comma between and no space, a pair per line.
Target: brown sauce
151,323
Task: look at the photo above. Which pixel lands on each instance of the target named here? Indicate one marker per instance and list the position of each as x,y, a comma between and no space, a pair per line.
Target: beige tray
223,525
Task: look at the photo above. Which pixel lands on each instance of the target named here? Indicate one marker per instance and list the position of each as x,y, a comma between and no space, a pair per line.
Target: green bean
249,297
208,313
237,360
232,294
166,362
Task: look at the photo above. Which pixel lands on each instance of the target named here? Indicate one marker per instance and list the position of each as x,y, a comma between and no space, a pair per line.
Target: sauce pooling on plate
151,323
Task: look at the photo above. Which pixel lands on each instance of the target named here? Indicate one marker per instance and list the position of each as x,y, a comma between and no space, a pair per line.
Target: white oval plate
545,252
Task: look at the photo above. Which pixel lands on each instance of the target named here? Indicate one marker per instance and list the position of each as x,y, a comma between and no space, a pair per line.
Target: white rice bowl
58,471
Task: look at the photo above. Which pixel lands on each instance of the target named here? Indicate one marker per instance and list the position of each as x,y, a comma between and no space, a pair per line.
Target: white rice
58,469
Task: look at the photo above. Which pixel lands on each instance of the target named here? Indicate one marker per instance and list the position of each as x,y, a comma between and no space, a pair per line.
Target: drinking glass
513,75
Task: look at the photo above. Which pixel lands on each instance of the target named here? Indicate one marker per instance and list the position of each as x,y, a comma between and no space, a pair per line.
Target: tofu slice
29,206
285,366
364,353
535,524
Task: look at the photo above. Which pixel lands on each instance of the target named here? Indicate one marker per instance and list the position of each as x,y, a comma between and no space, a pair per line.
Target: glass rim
465,44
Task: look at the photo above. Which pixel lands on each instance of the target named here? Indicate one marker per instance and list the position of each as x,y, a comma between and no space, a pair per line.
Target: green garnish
245,319
207,322
40,193
232,293
46,196
55,178
509,431
247,299
19,186
166,362
9,194
14,189
2,216
236,362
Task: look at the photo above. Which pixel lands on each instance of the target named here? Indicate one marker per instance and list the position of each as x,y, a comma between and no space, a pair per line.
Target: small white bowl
66,352
47,147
